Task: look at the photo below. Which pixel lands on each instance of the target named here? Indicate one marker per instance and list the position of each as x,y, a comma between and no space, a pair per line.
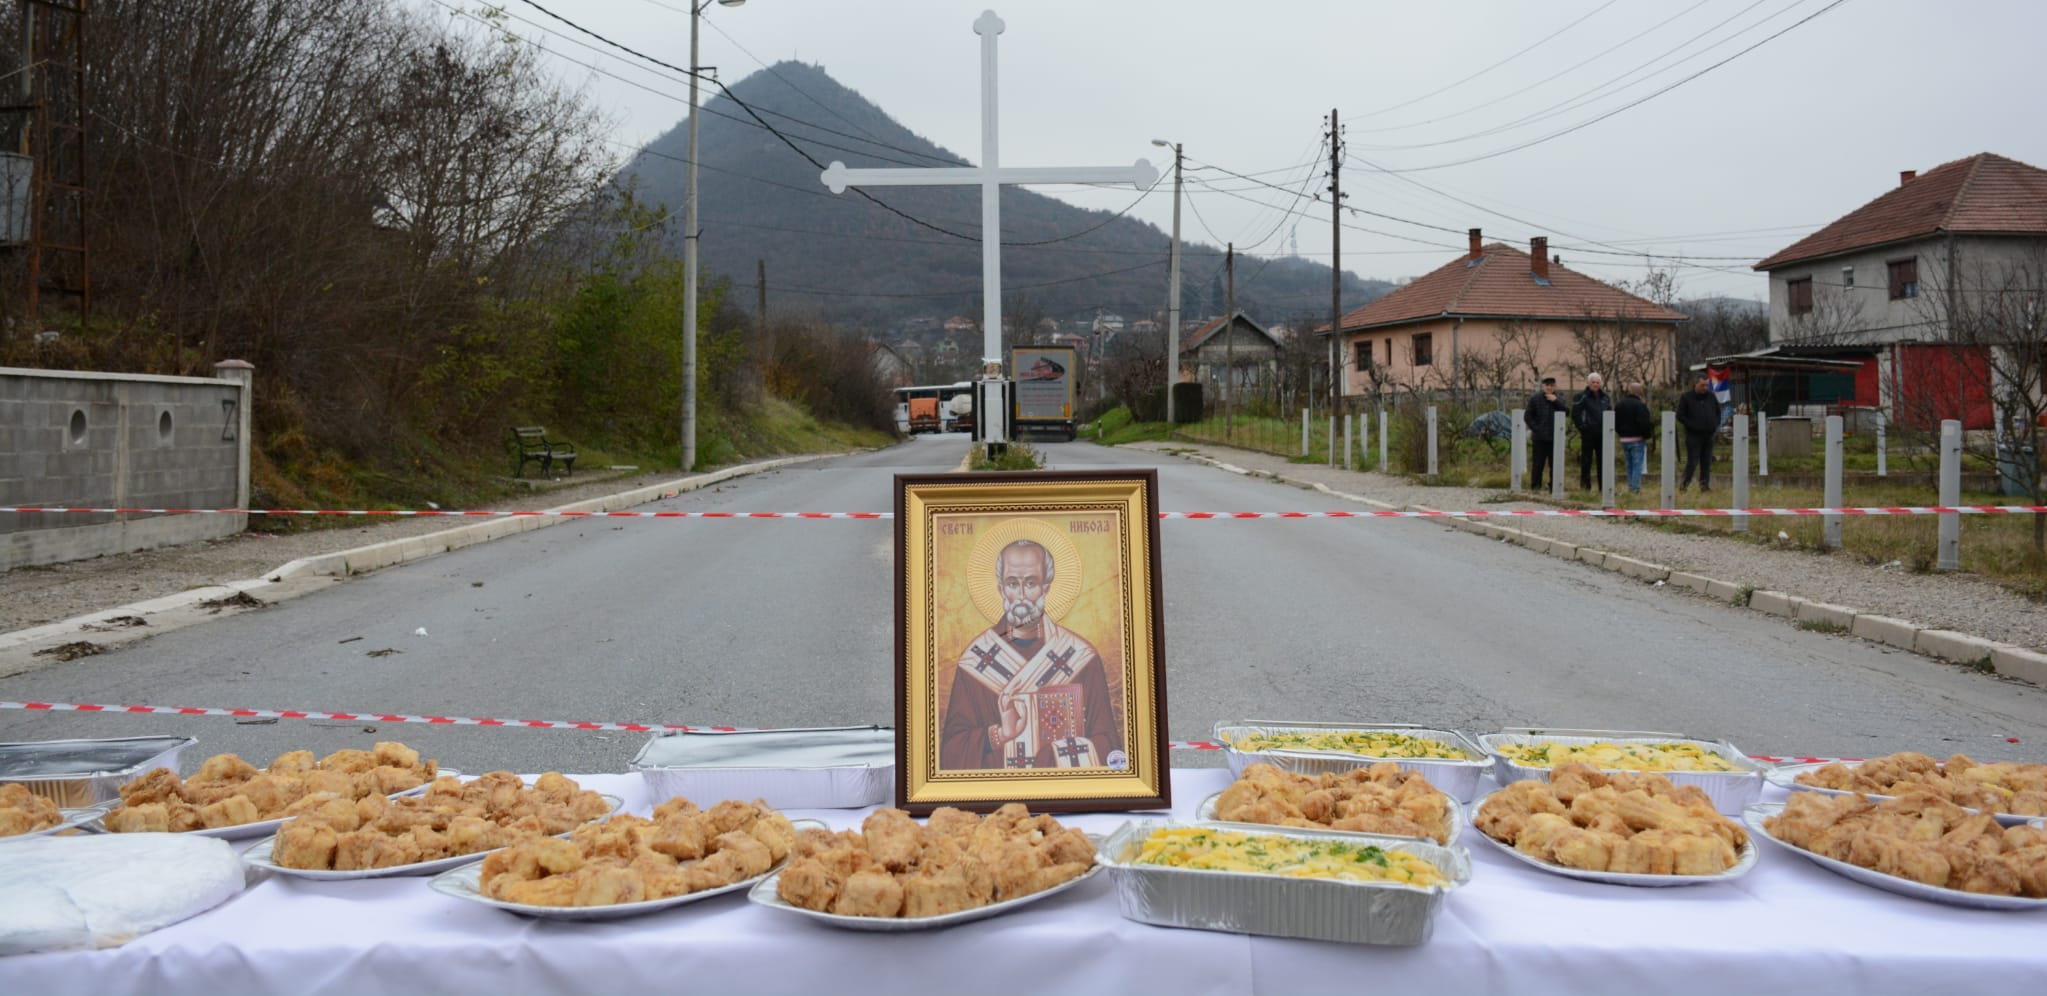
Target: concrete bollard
1669,449
1832,522
1364,439
1331,448
1556,455
1304,432
1350,423
1740,462
1882,458
1949,557
1762,444
1382,440
1606,447
1517,455
1432,440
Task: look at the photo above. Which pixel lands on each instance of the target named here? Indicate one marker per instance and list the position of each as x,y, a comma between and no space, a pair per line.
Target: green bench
531,445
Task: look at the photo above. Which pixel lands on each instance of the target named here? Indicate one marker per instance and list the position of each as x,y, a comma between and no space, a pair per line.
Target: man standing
1632,426
1586,410
1698,411
1028,692
1541,420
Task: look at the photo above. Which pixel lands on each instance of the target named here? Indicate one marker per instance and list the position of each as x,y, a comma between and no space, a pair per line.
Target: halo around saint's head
981,567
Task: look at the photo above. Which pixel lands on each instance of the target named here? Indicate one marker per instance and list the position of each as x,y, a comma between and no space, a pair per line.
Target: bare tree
1996,310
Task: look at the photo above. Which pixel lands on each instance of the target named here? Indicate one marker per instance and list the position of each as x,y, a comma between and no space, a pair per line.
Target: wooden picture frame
1030,651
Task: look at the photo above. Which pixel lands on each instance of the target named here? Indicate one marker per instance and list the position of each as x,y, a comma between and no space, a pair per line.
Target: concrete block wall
100,440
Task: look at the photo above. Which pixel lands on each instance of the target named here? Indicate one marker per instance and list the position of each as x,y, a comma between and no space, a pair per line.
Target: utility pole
1335,257
1173,290
760,284
1230,342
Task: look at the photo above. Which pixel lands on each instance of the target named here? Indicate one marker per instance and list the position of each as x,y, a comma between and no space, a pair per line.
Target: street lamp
689,251
1173,285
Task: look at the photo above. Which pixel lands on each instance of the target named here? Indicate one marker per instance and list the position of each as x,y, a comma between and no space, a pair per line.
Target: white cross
990,176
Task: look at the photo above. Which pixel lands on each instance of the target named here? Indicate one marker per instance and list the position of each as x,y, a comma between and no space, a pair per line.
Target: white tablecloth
1788,926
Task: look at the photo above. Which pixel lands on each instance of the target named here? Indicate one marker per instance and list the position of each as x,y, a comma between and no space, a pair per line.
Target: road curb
18,649
1962,648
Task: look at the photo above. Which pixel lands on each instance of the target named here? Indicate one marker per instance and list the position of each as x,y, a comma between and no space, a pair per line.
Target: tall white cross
990,176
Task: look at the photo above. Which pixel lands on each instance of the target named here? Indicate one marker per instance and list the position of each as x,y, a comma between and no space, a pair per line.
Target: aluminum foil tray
765,894
1754,816
1729,790
1276,905
1206,813
1785,776
466,883
837,768
82,773
259,857
1745,862
1457,779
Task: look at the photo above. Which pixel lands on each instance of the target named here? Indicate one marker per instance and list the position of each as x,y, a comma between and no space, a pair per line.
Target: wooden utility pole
760,284
1335,260
1230,343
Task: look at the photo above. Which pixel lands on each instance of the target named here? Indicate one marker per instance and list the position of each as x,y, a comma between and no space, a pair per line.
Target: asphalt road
789,622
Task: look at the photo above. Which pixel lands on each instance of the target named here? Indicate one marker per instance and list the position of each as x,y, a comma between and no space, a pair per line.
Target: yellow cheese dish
1270,854
1398,745
1611,756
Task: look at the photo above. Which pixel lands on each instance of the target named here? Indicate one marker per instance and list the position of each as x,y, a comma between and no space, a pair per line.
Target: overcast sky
1737,162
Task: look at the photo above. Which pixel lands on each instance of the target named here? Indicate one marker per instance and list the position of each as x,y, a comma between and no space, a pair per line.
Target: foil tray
81,773
1206,813
1278,905
1457,779
1729,790
259,857
1785,776
466,883
849,767
1754,816
764,894
1745,862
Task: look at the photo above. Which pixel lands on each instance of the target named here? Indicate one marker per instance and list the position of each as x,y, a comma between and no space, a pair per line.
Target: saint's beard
1023,612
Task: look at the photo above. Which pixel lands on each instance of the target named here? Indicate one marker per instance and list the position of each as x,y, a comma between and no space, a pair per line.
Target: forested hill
857,264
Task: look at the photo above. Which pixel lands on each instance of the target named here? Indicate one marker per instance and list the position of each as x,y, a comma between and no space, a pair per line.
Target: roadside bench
531,445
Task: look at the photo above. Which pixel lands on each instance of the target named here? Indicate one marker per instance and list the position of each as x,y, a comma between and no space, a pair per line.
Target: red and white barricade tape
529,724
1493,513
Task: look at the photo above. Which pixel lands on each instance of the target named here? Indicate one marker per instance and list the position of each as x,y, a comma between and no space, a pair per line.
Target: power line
1538,44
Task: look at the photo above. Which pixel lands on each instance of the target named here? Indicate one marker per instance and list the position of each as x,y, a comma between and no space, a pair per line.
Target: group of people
1698,417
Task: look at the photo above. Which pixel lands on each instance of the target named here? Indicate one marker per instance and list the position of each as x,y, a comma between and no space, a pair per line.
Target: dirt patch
72,651
238,600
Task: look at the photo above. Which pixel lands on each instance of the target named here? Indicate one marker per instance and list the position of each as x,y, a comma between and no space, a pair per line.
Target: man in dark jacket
1541,420
1586,409
1631,426
1698,413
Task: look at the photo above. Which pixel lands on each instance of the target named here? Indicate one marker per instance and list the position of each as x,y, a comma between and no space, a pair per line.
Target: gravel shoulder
1961,602
33,596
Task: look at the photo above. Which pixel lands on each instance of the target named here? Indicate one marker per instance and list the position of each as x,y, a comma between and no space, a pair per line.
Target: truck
924,414
1047,378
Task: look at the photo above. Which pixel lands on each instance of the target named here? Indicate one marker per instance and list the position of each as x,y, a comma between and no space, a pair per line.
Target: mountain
859,264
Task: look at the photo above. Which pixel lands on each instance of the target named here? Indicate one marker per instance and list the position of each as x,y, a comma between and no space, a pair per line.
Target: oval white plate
259,856
74,819
1786,777
265,828
465,883
764,894
1457,821
1754,816
1745,860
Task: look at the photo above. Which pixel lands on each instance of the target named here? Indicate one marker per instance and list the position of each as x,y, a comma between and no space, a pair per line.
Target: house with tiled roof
1882,285
1500,318
1232,342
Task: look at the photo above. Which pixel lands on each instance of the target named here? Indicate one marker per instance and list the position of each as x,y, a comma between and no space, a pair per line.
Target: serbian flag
1720,380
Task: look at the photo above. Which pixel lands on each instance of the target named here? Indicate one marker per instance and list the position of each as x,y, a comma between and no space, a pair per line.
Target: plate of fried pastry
1383,799
896,874
1623,828
2013,791
630,865
232,799
449,824
1915,845
26,814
